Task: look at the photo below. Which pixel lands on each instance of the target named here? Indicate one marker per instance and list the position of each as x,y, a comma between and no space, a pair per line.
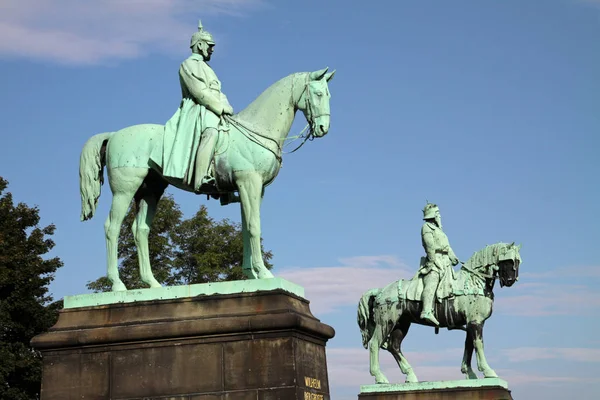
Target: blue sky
489,109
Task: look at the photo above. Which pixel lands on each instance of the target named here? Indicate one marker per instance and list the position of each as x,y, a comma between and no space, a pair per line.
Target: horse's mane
486,256
270,115
248,114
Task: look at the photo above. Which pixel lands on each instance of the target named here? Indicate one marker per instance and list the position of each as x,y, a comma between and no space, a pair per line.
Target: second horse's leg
468,354
395,348
375,368
476,330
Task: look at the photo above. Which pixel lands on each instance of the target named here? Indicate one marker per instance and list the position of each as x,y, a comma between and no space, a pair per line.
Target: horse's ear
329,75
519,247
318,75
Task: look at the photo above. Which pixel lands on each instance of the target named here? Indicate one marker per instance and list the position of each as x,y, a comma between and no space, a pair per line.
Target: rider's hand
228,110
454,261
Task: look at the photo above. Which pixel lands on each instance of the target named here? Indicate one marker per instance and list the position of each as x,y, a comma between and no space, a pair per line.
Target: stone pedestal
480,389
264,345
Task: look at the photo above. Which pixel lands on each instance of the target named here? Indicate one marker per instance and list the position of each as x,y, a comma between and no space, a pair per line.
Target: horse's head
508,265
314,101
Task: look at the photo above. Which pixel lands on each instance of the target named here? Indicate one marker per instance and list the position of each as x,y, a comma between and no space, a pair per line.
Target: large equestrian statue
204,148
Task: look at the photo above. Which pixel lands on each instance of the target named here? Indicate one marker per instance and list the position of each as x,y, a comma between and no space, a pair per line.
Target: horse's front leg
466,362
250,186
476,331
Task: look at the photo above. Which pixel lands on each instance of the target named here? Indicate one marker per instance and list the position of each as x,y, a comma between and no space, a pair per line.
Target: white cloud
348,367
553,292
329,288
545,299
522,354
90,32
560,273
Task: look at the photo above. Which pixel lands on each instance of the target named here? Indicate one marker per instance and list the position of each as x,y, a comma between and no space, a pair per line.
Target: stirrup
429,317
208,180
207,185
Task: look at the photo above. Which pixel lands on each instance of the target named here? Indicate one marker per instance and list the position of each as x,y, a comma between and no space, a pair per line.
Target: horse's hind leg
124,183
468,354
147,202
396,337
375,368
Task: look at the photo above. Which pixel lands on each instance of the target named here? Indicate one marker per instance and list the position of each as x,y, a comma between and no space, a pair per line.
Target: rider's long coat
201,107
439,256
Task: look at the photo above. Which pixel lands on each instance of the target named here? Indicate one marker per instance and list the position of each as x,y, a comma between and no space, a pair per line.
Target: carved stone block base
479,389
260,346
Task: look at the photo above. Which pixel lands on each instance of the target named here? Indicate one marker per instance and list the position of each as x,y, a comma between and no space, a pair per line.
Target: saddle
412,289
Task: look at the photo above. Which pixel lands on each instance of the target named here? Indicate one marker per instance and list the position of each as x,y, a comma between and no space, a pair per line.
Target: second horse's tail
365,316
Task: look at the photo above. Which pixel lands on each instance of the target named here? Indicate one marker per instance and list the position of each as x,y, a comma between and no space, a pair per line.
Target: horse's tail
91,173
365,317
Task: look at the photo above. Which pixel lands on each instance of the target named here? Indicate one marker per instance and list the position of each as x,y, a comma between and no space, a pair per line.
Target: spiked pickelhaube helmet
201,36
430,210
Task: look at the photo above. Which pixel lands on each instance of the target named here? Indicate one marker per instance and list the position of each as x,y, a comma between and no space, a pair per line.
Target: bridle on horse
479,274
310,126
310,117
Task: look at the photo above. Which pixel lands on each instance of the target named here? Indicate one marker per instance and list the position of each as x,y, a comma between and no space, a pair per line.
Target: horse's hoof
382,380
470,375
119,287
264,273
411,379
250,274
489,373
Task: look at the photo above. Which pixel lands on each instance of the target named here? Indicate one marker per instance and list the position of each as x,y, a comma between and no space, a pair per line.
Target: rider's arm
452,256
226,104
200,91
429,245
224,99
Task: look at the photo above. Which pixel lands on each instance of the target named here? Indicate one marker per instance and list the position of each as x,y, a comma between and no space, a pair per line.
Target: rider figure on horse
437,268
191,134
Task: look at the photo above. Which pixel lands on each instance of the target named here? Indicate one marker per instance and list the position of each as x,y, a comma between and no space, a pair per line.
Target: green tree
209,251
195,250
25,309
160,246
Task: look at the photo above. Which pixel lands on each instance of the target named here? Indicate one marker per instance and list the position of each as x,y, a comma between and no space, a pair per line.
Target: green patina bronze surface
176,292
437,296
403,387
204,148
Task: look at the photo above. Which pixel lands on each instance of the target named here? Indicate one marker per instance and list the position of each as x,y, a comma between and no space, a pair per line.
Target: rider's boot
203,182
430,282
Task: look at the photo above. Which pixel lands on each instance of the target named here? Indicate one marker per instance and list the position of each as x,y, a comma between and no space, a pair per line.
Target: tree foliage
160,245
182,251
25,309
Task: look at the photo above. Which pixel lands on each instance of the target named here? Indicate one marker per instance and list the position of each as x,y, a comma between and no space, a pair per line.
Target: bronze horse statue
246,160
385,315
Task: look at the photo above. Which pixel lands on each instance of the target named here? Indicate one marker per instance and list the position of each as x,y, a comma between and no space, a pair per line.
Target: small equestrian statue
464,299
205,149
